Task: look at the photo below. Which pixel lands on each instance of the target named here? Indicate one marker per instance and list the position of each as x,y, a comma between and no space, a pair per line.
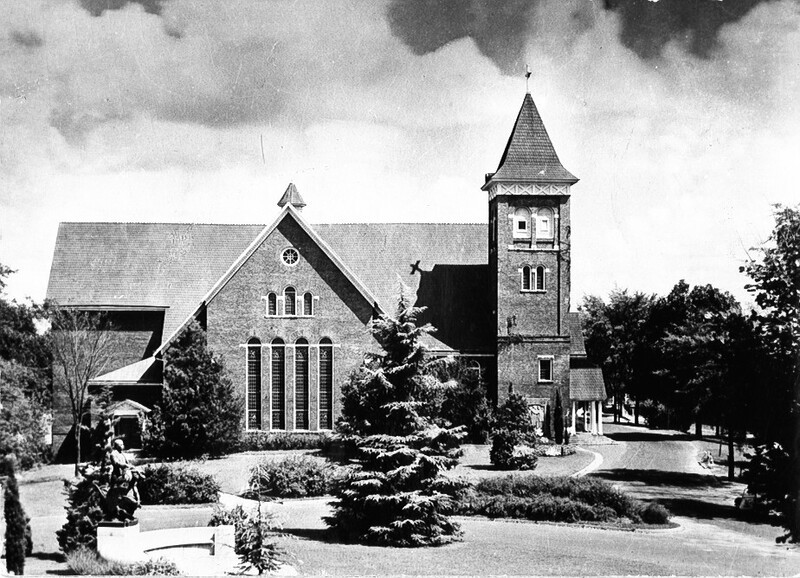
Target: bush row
256,441
557,499
86,561
172,484
293,477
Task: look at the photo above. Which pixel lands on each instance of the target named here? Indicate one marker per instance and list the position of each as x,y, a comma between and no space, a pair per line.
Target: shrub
514,415
199,412
254,537
256,441
465,401
654,513
84,512
508,454
85,561
170,484
293,477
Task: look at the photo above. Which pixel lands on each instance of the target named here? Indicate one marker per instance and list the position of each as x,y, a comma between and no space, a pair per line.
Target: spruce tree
16,523
558,419
397,495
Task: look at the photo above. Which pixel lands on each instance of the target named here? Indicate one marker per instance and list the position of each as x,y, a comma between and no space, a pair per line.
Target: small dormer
292,197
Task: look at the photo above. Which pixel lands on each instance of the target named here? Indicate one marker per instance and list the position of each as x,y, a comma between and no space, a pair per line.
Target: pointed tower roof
292,197
529,156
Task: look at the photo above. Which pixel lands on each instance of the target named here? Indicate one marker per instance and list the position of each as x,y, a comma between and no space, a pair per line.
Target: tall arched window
544,224
308,305
289,301
253,384
278,379
272,304
540,272
526,278
522,223
301,384
325,384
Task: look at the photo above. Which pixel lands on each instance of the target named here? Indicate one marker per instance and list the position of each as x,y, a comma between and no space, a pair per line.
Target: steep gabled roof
292,197
586,381
577,344
529,155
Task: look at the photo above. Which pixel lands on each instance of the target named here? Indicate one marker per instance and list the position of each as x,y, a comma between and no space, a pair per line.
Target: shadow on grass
660,478
54,556
317,534
702,510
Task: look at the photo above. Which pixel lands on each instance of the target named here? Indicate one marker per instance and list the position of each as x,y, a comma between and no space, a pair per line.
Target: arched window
325,384
308,305
544,224
526,278
301,384
289,301
278,379
253,384
522,223
272,304
540,272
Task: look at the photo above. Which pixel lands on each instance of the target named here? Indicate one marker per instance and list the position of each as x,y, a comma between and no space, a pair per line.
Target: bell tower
529,262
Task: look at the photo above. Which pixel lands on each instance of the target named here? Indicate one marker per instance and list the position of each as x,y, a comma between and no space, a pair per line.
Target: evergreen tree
199,412
397,496
558,419
16,523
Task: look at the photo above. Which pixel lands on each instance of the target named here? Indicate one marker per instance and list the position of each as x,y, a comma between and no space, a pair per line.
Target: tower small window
290,257
522,223
540,273
526,278
272,304
544,224
289,301
308,305
545,369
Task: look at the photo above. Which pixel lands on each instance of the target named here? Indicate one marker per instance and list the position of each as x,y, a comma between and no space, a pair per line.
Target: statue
122,497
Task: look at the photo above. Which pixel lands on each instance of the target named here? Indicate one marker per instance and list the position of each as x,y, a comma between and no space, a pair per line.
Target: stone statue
122,498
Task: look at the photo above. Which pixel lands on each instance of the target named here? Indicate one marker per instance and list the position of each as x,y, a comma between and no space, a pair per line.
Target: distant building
287,305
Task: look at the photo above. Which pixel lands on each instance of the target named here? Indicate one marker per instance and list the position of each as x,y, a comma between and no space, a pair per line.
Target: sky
680,117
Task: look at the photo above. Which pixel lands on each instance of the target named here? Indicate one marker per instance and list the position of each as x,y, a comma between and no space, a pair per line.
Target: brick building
287,305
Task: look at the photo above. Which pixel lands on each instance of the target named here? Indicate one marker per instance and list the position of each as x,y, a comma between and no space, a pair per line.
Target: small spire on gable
292,197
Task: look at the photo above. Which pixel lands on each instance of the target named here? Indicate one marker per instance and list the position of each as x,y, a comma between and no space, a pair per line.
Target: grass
87,562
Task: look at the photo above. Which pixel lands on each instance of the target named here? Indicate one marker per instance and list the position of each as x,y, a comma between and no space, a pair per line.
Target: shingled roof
173,266
529,155
586,381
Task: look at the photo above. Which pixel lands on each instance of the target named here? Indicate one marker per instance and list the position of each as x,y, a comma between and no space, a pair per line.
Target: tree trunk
731,460
77,446
698,428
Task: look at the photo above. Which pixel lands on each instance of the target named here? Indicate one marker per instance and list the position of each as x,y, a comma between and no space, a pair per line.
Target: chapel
286,305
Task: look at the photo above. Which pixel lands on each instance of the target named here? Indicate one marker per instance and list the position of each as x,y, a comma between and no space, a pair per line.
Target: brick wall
238,313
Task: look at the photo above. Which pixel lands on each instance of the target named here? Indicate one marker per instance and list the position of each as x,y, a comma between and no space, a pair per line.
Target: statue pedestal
119,542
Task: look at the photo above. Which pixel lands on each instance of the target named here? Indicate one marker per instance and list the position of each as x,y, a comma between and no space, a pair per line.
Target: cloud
502,28
98,7
27,38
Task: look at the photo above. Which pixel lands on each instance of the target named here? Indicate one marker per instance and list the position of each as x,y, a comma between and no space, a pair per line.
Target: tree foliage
22,418
199,412
82,350
397,495
776,286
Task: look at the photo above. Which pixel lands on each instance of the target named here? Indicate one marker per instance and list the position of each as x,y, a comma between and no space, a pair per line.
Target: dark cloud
648,26
28,39
97,7
502,28
498,27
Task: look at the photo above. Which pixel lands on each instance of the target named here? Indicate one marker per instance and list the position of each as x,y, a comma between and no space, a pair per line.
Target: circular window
290,256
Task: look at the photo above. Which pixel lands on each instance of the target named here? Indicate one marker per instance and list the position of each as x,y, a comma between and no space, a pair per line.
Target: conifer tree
558,420
199,412
397,496
16,523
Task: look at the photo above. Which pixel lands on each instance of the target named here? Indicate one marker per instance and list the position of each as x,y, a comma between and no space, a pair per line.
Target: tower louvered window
526,278
540,278
278,379
272,304
325,384
301,384
308,305
254,384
